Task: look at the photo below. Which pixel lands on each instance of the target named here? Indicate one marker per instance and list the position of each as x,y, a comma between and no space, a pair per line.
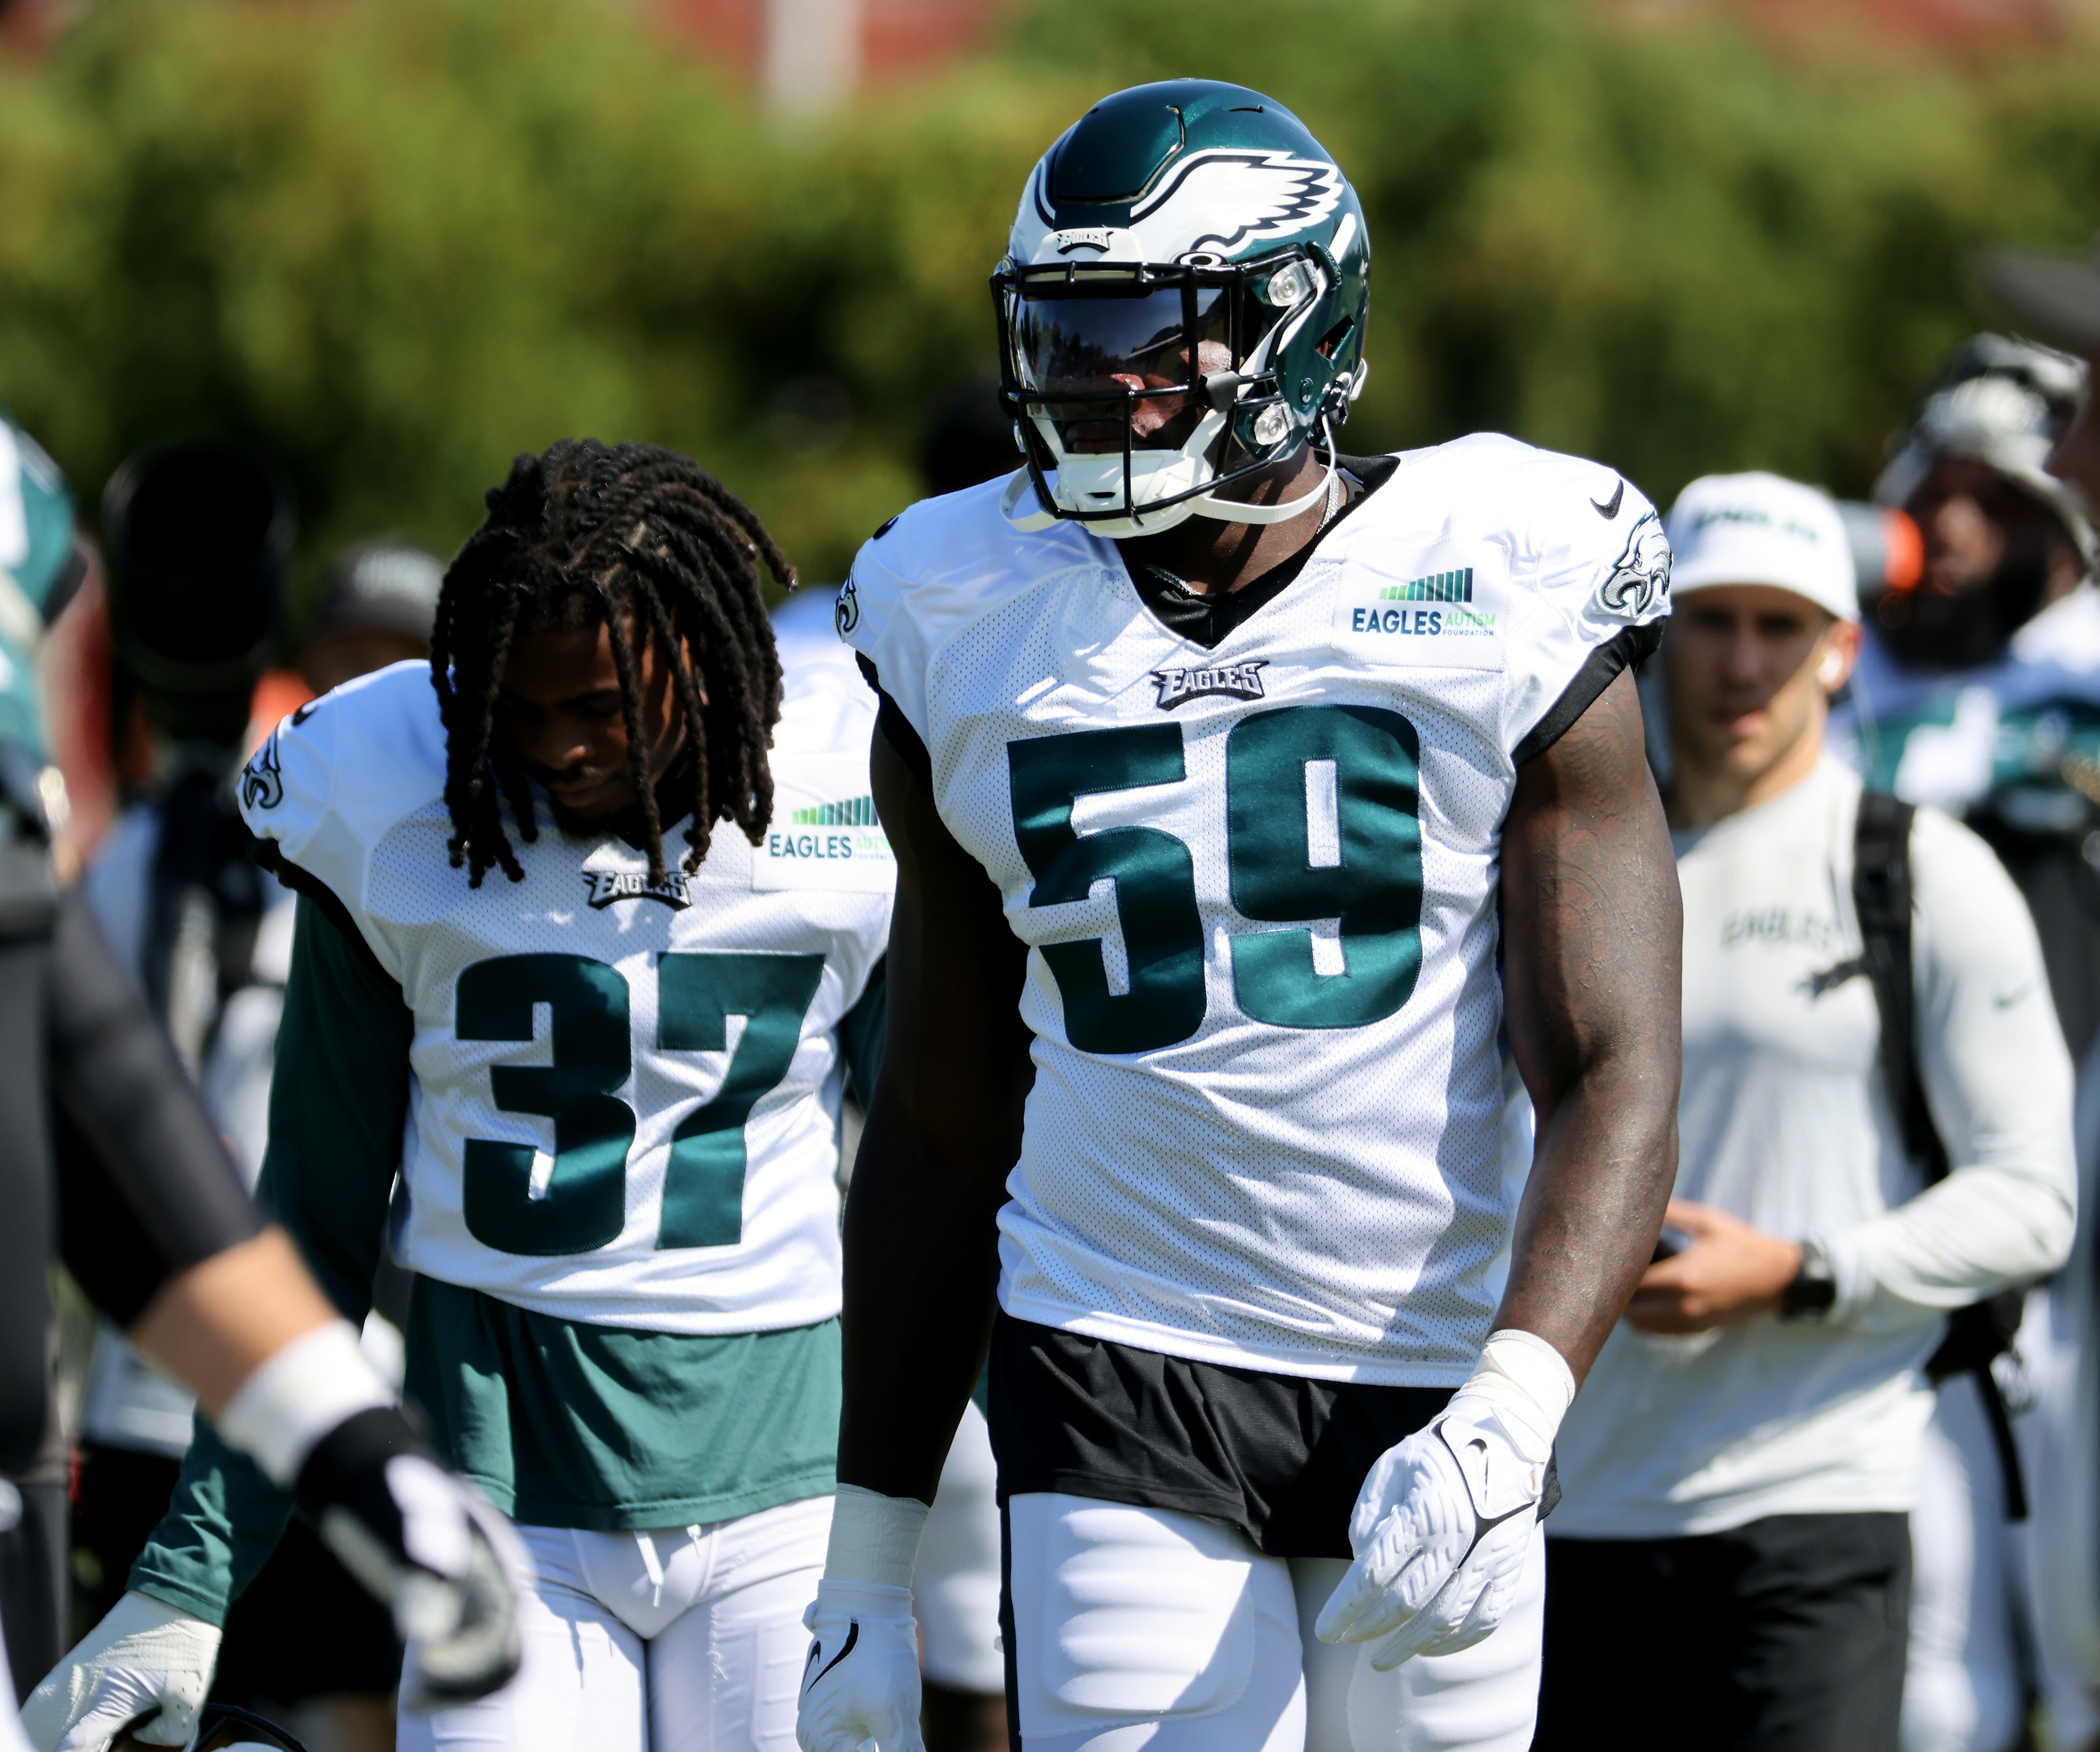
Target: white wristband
299,1394
874,1538
1527,1377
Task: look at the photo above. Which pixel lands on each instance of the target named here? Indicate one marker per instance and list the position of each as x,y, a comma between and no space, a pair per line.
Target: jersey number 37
1320,823
582,1205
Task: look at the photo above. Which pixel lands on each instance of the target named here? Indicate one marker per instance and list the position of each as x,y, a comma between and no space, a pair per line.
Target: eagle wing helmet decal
1212,203
1216,200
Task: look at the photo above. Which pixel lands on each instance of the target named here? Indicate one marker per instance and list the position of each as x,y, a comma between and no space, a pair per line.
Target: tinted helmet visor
1095,358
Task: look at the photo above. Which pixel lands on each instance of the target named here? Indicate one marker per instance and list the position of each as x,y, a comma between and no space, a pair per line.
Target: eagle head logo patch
1640,576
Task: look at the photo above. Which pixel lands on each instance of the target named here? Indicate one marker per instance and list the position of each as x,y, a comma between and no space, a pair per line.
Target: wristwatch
1814,1287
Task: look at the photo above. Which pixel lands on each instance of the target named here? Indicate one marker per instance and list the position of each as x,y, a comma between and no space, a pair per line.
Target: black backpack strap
1881,896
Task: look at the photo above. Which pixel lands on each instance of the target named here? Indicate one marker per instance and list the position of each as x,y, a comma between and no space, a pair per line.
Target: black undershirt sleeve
1632,645
891,722
143,1172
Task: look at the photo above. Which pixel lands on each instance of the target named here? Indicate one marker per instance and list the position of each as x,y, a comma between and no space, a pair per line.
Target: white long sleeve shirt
1784,1122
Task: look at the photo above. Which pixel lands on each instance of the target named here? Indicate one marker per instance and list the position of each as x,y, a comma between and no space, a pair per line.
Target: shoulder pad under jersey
1586,556
341,770
939,567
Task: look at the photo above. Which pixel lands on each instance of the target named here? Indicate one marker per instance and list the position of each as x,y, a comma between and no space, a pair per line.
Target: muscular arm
921,1258
1592,933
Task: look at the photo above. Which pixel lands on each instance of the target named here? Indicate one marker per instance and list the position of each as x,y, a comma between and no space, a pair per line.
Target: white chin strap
1224,511
1235,511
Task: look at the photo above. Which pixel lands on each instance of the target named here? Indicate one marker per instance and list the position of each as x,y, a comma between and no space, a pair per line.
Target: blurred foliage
393,242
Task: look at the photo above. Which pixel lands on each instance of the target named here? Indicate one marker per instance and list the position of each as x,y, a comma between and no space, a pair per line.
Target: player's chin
583,809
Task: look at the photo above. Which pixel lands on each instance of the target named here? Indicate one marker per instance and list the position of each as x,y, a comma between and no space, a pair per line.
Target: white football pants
682,1639
1139,1627
1963,1691
955,1589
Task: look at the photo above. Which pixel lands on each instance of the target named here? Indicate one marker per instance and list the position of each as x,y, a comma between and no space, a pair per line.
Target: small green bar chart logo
1438,587
853,812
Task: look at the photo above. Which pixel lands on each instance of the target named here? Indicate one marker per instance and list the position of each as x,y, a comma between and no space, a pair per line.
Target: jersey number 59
1321,821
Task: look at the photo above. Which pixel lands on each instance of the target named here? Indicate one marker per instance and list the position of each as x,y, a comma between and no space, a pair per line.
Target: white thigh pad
1126,1615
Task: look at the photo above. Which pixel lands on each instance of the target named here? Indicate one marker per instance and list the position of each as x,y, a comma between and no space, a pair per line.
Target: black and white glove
317,1420
860,1679
423,1543
1444,1523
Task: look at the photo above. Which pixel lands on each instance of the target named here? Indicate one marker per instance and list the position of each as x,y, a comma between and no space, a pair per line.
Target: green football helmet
1181,307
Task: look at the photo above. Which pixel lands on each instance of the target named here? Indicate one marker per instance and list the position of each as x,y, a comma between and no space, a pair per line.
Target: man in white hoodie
1740,1467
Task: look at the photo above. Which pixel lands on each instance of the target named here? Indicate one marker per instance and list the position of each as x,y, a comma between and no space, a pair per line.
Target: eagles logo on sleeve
1640,576
263,784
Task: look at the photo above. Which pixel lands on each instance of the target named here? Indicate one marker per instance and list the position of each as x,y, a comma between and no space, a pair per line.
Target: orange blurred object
1905,545
278,695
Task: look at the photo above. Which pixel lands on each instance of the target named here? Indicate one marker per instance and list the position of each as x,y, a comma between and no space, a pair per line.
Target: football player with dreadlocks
1245,795
603,1044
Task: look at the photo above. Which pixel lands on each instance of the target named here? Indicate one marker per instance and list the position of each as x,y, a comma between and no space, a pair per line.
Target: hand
145,1659
1440,1531
861,1680
423,1543
1730,1274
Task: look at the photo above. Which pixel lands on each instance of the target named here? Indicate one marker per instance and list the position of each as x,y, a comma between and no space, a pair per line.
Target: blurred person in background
197,538
955,1584
2056,297
1875,1130
42,563
304,1644
955,1587
153,1223
1978,691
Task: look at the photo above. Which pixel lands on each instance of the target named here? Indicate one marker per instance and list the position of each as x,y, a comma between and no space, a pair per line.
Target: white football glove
144,1658
860,1683
1444,1522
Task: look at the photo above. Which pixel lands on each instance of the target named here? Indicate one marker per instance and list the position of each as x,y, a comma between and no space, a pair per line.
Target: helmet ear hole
1331,343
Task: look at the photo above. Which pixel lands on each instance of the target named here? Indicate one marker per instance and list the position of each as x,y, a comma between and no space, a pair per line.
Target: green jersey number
582,1204
1360,864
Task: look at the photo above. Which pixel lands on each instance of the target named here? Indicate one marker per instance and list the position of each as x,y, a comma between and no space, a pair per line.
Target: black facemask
1971,628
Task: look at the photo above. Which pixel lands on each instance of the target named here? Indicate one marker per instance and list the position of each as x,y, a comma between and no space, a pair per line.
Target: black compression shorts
1279,1457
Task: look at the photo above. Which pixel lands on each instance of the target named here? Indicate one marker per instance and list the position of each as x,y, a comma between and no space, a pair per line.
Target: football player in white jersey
609,1077
1245,795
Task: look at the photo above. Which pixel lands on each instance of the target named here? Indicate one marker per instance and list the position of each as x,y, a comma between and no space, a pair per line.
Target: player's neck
1215,557
1700,795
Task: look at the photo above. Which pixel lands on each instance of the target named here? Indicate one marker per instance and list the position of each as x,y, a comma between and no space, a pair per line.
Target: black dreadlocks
647,542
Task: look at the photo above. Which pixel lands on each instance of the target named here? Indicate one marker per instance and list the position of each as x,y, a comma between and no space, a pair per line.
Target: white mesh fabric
361,809
1323,1200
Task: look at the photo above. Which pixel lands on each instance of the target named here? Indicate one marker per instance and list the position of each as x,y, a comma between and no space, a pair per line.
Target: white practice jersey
1258,884
624,1101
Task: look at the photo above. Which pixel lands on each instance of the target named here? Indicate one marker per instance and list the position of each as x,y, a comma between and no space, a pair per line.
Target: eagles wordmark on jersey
624,1103
1258,884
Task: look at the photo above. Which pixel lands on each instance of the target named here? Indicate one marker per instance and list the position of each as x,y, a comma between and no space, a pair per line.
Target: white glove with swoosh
860,1682
1444,1520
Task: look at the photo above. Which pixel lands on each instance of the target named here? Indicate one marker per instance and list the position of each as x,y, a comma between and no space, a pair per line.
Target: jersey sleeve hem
268,853
1629,646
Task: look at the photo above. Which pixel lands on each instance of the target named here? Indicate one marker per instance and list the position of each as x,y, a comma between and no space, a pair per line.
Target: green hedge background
393,242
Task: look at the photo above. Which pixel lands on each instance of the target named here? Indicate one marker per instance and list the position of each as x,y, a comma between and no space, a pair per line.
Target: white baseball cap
1762,529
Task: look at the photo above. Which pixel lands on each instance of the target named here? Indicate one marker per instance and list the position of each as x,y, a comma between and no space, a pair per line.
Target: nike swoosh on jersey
1610,509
